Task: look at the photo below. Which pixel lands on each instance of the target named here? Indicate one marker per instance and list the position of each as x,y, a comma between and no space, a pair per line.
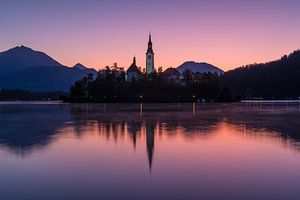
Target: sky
97,33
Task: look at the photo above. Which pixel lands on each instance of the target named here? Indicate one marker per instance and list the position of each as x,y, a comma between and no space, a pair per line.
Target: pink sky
226,33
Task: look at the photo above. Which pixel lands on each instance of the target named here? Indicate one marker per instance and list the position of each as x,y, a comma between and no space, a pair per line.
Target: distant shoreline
270,101
199,103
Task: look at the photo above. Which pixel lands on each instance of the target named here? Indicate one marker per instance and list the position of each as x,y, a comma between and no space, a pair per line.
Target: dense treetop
279,79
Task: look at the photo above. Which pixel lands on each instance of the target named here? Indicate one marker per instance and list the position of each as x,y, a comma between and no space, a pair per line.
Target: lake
149,151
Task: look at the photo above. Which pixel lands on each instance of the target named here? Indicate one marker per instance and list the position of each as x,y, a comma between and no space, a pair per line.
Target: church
134,73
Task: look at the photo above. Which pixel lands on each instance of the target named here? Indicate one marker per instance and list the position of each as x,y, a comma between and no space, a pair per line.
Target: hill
44,78
26,69
20,58
199,67
277,79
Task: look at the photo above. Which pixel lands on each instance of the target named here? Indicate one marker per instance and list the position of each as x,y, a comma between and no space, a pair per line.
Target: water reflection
149,151
25,128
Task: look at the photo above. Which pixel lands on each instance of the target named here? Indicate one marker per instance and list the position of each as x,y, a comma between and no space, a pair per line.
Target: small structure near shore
133,73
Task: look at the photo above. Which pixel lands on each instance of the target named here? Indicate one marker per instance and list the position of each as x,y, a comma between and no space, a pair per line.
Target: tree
110,86
160,70
187,75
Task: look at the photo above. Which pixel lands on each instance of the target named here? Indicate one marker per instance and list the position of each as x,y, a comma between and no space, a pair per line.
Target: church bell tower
149,57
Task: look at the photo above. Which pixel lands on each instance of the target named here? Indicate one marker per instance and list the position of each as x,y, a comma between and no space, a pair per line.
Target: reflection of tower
149,57
150,143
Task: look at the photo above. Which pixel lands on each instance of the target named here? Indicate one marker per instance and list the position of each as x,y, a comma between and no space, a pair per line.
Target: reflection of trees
280,121
27,127
170,119
114,118
133,130
284,121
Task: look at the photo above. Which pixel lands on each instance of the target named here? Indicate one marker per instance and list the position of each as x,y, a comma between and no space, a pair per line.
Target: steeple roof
150,40
133,67
150,49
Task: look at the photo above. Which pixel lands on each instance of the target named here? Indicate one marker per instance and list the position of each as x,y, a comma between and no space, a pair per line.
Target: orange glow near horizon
168,53
227,34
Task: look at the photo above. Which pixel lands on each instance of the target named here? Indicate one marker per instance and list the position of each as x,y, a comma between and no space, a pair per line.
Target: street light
141,105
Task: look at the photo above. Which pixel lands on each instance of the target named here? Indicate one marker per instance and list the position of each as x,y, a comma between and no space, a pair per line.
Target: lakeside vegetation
111,86
273,80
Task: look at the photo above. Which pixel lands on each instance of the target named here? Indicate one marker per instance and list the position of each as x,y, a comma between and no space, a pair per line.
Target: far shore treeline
22,95
111,86
274,80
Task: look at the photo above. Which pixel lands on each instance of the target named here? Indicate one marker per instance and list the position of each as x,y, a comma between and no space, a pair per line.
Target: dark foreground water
150,151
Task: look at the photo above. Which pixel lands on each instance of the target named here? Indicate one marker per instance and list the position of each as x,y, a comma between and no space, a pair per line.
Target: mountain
43,78
199,67
26,69
20,58
277,79
81,67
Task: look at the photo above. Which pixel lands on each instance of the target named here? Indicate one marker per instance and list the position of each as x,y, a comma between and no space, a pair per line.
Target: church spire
150,41
134,60
150,50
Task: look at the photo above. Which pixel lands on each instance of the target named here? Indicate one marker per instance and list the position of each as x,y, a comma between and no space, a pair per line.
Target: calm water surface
150,151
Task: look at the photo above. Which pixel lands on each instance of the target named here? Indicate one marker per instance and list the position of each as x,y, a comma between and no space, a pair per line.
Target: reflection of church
135,129
150,143
133,73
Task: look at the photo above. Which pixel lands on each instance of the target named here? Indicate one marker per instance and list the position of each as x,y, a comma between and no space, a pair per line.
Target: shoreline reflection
25,129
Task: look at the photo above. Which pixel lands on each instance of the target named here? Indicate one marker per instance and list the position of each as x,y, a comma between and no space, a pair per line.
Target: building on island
133,73
192,71
150,58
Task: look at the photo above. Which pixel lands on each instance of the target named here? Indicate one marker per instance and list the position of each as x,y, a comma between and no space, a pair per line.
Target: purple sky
226,33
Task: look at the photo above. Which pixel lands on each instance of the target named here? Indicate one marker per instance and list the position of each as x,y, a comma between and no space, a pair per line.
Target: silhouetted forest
111,86
22,95
274,80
